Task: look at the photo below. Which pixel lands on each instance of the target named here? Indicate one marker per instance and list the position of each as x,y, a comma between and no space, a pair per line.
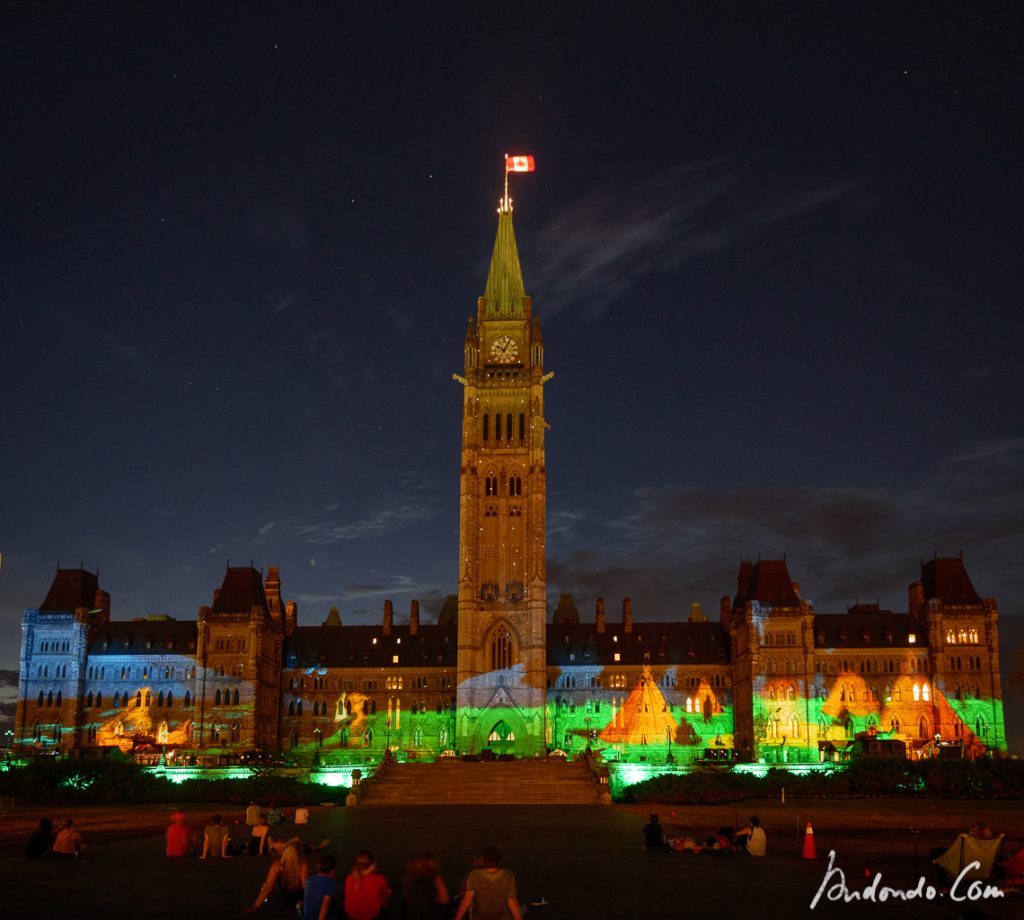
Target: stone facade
772,679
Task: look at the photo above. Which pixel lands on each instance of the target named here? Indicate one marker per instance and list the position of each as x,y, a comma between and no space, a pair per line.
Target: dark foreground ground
586,862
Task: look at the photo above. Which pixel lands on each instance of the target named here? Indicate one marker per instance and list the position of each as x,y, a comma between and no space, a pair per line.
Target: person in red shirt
366,890
178,835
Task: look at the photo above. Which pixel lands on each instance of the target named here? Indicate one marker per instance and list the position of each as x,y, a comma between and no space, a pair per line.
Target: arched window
170,699
417,737
149,698
188,697
49,698
42,699
522,427
88,700
501,650
794,727
497,426
216,698
234,698
922,729
298,708
487,427
160,699
508,426
917,693
291,707
925,692
236,732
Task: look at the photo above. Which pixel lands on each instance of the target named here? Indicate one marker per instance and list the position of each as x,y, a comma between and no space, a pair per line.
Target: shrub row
108,782
975,779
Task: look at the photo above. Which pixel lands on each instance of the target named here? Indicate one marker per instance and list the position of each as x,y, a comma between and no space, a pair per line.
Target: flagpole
504,202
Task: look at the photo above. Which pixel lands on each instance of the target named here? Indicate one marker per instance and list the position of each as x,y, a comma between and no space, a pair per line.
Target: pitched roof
241,590
367,646
71,589
766,581
649,643
947,579
137,637
865,626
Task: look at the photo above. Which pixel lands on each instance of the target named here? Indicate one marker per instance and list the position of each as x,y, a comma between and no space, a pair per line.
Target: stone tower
502,580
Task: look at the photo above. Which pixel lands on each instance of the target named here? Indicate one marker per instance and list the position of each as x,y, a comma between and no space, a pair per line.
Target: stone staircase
550,781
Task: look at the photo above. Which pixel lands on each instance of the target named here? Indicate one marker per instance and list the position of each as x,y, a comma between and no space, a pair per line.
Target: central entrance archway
501,739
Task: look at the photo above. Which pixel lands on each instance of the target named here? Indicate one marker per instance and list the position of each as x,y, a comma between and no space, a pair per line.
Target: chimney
102,603
389,617
414,617
916,599
599,616
291,616
272,590
627,614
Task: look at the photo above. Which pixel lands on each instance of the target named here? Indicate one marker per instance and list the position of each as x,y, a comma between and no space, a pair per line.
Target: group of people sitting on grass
750,840
365,893
47,843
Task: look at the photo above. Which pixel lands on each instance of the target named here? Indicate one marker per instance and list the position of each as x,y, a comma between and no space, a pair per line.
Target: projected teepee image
644,718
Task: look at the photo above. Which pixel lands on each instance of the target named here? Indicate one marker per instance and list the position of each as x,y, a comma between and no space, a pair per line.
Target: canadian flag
518,164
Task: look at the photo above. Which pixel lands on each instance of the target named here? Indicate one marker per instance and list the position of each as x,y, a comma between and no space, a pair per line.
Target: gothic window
522,427
298,708
216,698
925,693
160,699
236,732
149,698
794,727
922,728
170,699
188,697
235,698
917,693
487,431
49,698
894,724
291,707
41,698
501,650
508,426
497,426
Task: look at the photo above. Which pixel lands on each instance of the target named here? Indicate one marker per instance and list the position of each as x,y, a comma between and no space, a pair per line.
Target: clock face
504,350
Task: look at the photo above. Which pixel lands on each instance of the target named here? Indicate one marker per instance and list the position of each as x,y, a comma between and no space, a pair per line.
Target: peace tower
502,580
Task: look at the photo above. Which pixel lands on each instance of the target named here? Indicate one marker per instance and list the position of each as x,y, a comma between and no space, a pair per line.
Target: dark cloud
396,512
8,677
677,545
596,248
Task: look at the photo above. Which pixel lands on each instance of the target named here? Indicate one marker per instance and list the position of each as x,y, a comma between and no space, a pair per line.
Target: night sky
775,258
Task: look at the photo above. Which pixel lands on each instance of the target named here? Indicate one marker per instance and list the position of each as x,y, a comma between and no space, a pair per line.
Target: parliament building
771,680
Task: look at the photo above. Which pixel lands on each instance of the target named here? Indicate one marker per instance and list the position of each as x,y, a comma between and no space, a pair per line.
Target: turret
414,617
599,616
389,618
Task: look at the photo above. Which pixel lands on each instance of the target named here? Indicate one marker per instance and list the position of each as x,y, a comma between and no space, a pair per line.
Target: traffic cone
810,850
